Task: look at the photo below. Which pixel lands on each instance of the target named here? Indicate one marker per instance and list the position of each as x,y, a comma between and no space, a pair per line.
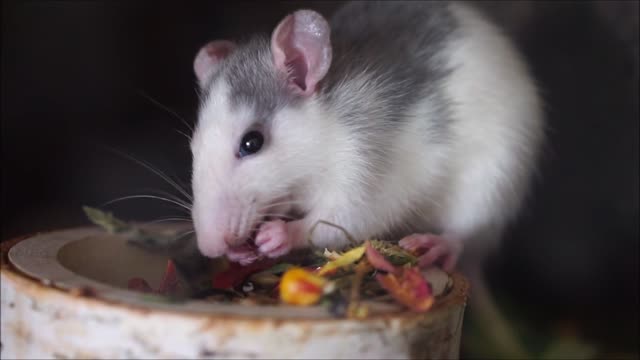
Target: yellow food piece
345,259
301,287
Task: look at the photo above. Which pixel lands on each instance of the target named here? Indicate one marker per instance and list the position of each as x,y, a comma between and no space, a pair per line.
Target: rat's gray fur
391,75
399,56
381,67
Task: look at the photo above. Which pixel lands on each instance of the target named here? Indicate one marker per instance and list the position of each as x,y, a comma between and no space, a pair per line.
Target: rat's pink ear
209,58
301,46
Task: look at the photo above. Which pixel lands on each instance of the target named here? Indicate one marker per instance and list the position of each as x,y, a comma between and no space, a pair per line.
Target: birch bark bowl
64,295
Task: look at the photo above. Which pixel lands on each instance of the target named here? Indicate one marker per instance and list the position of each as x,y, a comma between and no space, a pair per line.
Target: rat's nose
212,233
216,219
209,245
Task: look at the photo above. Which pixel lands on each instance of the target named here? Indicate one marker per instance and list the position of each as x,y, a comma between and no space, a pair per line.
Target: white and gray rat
412,120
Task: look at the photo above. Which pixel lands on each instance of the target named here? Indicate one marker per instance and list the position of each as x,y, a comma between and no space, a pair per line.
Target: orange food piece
409,288
301,287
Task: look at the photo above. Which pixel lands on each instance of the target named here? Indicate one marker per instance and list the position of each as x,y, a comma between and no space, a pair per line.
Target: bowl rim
85,289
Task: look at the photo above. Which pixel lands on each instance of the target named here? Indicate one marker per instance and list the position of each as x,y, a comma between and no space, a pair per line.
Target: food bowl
64,295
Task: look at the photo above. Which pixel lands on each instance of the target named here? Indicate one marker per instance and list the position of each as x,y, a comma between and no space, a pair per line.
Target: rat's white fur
233,194
497,142
467,187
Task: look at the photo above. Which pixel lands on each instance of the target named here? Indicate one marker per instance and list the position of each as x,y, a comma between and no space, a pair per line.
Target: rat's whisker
169,180
183,134
186,233
169,196
148,197
165,108
199,94
178,219
162,175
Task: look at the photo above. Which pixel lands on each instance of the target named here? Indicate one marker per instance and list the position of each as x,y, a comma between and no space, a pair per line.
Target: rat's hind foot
434,248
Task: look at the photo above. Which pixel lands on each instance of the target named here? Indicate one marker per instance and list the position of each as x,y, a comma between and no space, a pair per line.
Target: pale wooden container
45,315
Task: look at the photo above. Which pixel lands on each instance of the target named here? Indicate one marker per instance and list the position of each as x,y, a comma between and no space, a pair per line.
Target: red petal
377,260
138,284
169,281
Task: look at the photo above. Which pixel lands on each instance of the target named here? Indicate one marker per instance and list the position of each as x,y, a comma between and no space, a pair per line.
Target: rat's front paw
433,248
273,239
243,254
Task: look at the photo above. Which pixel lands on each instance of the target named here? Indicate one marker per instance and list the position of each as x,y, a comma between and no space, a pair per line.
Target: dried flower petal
139,284
408,288
345,259
395,254
300,287
357,310
169,281
377,260
236,274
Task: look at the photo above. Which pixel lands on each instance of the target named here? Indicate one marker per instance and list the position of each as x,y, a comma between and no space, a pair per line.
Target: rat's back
393,49
445,106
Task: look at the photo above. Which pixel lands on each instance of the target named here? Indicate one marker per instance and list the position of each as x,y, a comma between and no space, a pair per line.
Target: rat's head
260,129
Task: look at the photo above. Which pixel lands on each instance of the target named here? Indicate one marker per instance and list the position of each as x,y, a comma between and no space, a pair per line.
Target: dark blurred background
77,77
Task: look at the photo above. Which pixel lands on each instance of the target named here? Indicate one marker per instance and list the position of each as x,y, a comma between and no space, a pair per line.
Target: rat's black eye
251,143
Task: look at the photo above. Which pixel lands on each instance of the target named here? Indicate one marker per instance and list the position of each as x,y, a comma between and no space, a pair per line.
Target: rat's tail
486,317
